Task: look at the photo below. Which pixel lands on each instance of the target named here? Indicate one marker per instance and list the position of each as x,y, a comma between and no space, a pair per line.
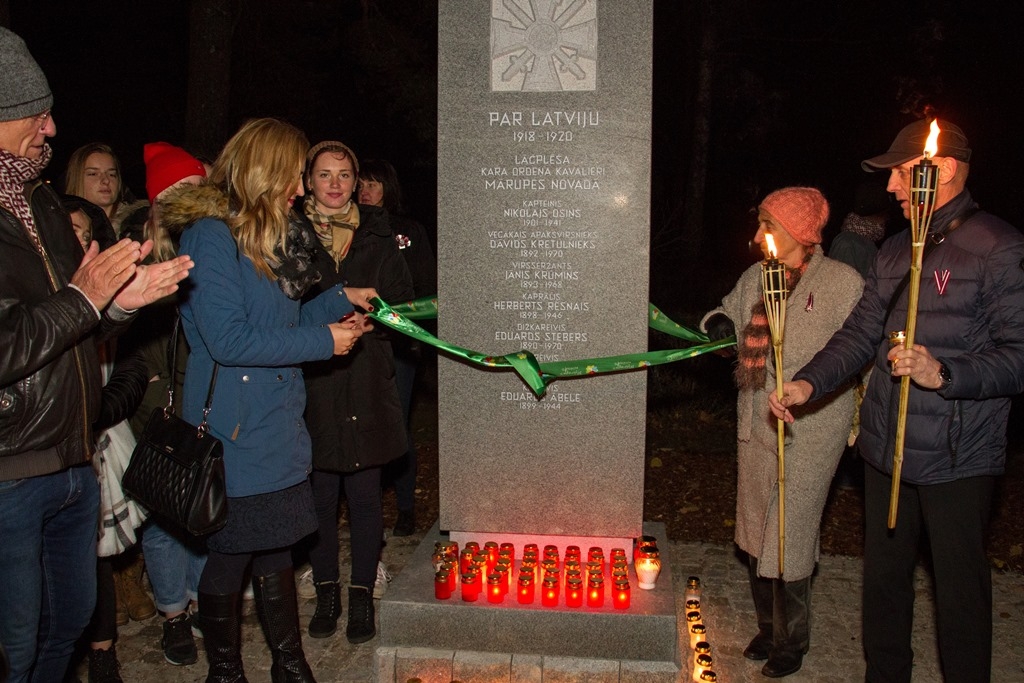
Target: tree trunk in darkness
211,24
693,207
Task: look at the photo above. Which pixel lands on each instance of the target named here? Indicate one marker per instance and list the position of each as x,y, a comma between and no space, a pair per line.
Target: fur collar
294,267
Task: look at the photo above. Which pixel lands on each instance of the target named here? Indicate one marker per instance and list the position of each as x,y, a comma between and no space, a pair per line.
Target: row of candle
699,642
488,570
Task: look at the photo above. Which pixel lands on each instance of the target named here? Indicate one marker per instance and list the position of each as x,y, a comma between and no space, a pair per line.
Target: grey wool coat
823,298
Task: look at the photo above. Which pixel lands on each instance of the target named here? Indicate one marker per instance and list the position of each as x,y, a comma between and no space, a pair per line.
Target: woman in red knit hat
822,292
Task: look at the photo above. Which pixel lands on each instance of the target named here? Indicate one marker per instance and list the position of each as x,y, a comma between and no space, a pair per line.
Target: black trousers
365,520
953,518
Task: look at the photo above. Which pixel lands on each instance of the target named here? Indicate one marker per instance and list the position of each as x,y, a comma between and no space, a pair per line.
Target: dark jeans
953,517
48,567
402,470
366,524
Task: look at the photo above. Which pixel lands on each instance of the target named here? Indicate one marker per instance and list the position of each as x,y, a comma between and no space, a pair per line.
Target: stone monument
544,127
544,134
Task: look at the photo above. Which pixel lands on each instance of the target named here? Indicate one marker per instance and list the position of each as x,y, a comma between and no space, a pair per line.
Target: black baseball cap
909,144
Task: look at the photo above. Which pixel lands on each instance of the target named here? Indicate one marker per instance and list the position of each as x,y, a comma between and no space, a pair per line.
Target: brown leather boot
140,605
121,604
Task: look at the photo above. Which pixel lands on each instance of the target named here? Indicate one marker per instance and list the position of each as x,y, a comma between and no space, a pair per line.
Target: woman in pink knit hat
822,292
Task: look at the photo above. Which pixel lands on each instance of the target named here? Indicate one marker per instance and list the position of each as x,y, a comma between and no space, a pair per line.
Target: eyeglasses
43,118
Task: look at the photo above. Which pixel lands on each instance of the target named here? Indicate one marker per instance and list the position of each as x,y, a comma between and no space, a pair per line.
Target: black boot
104,667
278,613
761,590
220,618
328,610
360,615
792,627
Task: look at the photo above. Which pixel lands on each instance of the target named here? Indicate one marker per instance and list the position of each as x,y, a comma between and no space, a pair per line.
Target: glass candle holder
495,591
453,573
465,560
509,547
525,589
622,593
692,591
530,548
692,604
708,675
505,569
647,567
698,632
442,585
701,664
549,592
595,592
574,592
572,551
644,543
471,586
491,548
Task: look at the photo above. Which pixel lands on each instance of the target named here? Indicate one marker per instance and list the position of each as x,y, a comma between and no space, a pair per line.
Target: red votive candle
622,594
495,593
595,592
465,560
453,573
442,587
470,586
525,589
574,592
549,592
530,548
572,551
491,548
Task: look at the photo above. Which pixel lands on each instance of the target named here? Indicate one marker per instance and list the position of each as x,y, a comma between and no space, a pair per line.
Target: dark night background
800,91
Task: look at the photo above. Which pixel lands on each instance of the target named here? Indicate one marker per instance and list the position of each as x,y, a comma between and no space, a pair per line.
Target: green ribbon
539,375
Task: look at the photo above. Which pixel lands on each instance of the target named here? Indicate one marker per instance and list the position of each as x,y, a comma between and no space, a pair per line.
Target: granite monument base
444,640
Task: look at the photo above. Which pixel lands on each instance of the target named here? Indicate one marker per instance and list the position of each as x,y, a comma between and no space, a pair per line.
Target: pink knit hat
801,211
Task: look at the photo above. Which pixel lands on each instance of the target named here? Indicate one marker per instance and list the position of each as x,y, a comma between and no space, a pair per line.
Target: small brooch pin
810,303
941,280
403,241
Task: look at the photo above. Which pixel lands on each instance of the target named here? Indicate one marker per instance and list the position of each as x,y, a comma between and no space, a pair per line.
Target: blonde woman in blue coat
242,314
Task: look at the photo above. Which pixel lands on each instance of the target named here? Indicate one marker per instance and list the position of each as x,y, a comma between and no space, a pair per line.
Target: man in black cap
55,302
967,361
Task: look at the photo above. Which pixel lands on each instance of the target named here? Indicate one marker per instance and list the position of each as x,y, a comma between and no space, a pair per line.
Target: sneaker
104,667
405,525
380,585
193,612
304,586
178,644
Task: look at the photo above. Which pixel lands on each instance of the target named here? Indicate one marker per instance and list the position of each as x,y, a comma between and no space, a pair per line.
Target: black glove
719,326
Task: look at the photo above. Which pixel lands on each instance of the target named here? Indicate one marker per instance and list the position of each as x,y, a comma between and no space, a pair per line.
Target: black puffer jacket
353,412
974,323
50,382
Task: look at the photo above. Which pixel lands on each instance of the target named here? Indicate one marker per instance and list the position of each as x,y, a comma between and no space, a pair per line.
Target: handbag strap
172,358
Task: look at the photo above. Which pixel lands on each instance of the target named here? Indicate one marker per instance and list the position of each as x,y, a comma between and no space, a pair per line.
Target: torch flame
931,145
770,241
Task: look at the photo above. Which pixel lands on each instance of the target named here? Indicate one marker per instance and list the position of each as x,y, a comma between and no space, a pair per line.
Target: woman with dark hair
354,413
379,186
249,329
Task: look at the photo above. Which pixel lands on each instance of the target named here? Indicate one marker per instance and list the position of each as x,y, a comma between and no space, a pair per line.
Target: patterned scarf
15,171
751,372
335,232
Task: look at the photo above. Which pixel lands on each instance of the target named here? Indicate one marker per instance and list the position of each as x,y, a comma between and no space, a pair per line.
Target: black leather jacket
50,383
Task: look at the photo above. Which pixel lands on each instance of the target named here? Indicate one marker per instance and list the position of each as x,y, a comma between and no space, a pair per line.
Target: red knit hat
801,211
166,165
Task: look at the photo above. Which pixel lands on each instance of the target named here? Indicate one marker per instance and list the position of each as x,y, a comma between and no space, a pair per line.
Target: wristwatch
944,377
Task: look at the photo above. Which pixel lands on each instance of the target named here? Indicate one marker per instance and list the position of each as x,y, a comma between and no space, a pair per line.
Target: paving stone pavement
835,654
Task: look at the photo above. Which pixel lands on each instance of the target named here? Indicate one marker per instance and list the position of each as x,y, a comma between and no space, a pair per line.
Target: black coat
353,411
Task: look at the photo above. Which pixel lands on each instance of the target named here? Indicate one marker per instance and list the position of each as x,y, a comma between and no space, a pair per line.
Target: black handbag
177,469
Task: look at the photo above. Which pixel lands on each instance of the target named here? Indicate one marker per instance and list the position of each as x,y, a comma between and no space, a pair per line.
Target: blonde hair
153,229
259,168
74,178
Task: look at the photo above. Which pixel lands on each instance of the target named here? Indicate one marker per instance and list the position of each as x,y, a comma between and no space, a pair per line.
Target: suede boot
762,592
360,615
140,606
328,610
120,602
792,632
278,613
220,619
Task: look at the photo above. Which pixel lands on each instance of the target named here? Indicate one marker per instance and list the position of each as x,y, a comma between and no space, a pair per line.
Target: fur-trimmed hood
294,267
183,205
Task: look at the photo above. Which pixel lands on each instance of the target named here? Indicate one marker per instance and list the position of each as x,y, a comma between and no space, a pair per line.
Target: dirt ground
690,482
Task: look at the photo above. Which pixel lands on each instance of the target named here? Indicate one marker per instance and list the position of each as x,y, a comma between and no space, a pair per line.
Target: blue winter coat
243,321
975,324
